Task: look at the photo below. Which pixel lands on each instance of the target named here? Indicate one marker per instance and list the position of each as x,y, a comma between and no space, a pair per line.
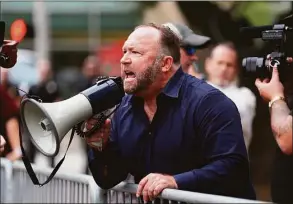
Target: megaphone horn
48,123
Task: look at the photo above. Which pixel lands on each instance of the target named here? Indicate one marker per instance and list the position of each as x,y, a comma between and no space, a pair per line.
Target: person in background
9,126
189,44
9,87
47,89
222,72
90,71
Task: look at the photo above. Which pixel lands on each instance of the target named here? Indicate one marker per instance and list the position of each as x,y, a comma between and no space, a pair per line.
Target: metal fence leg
97,195
7,189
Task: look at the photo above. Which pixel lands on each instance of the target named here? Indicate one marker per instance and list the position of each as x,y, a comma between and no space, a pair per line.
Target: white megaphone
48,123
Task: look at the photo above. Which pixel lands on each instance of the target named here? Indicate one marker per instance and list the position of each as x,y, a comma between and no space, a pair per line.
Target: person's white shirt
245,101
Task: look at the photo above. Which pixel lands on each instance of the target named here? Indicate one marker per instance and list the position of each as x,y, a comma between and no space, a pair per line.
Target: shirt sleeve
108,167
226,169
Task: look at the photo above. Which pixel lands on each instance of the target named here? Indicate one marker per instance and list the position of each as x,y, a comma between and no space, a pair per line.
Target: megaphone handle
29,168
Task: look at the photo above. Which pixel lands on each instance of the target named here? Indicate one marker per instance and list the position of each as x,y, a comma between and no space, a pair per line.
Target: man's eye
135,52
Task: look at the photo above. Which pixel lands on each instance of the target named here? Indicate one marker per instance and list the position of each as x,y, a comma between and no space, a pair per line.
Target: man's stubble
146,78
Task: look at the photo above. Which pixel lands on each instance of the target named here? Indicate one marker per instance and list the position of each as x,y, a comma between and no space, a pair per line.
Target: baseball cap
187,36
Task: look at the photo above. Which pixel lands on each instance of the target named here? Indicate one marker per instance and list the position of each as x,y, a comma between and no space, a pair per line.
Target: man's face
140,65
188,56
221,67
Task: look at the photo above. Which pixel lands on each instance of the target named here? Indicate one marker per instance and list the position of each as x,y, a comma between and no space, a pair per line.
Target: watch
274,100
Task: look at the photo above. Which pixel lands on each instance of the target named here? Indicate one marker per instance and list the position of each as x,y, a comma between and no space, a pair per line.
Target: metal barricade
63,188
17,187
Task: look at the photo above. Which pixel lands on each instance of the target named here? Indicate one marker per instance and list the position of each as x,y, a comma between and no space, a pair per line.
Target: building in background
77,28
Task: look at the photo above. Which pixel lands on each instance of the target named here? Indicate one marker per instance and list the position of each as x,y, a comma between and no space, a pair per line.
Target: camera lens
253,66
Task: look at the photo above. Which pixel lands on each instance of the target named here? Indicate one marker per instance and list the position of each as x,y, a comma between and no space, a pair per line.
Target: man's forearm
108,168
219,177
281,123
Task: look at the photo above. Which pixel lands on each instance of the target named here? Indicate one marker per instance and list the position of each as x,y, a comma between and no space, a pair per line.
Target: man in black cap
190,43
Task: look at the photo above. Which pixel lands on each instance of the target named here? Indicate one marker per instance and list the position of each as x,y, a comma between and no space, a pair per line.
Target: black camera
261,67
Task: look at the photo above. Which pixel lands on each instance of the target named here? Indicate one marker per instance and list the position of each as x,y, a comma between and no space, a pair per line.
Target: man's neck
157,87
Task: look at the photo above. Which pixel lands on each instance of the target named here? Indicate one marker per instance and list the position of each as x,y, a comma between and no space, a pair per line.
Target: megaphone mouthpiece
105,94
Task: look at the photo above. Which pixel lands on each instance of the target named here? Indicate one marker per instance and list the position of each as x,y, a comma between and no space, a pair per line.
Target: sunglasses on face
189,50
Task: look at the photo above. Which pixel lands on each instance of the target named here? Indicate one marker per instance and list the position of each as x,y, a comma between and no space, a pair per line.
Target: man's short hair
227,44
170,43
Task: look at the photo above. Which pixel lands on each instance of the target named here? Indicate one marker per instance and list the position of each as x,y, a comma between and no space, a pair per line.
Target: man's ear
167,63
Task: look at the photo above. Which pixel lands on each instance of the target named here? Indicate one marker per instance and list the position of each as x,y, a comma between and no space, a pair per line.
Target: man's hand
153,184
99,139
270,89
9,49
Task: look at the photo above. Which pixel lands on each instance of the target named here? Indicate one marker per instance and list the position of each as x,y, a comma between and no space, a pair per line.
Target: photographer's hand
281,120
270,89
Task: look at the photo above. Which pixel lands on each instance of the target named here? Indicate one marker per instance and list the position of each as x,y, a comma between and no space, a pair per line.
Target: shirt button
150,133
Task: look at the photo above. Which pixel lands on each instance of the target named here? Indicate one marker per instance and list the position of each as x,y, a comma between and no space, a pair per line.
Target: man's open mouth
129,74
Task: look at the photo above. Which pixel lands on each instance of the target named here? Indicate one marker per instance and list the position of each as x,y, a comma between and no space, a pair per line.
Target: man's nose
224,67
125,59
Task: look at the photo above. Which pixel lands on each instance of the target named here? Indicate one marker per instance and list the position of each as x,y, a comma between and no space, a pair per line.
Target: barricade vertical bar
97,194
6,181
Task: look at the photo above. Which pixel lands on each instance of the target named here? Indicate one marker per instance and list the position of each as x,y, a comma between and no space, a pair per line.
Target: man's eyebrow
130,47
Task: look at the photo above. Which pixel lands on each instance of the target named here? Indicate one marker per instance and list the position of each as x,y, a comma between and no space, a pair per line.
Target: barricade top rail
186,196
18,165
4,162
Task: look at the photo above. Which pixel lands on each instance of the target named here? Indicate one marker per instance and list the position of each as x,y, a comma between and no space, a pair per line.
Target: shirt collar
171,89
173,86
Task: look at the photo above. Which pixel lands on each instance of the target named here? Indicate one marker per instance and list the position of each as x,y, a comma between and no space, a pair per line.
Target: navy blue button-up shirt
195,135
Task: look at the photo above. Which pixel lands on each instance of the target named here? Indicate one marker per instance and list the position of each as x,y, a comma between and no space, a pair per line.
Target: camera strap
29,167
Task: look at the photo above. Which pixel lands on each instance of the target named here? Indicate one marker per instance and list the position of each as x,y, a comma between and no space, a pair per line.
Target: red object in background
18,29
109,57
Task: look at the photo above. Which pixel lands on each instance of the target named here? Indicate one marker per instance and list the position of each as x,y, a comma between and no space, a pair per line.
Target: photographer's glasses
189,50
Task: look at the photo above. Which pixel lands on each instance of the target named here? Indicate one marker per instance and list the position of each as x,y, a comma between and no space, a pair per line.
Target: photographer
280,106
